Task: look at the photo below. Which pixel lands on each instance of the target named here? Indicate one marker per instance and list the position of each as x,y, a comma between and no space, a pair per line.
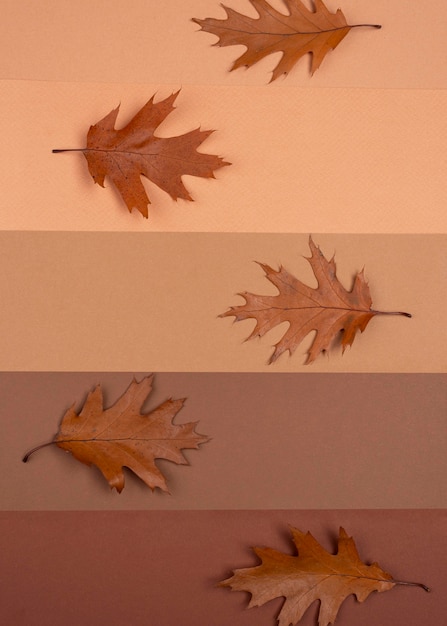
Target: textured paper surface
153,568
303,160
277,441
142,41
114,301
358,148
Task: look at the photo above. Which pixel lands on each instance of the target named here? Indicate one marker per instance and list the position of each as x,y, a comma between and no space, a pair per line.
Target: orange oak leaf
329,309
133,151
314,574
300,32
121,436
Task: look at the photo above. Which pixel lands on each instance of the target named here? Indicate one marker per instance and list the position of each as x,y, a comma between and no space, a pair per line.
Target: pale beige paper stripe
117,301
142,41
304,160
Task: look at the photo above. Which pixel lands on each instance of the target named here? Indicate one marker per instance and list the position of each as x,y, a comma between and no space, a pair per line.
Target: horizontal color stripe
306,160
292,441
163,568
150,302
141,41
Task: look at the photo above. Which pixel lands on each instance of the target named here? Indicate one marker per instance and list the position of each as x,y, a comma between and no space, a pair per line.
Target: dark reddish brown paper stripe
140,568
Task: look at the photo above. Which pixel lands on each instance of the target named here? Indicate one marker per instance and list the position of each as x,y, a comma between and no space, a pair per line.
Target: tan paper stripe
113,302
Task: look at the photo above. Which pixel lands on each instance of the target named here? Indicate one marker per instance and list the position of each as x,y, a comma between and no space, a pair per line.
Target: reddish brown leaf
121,436
329,309
300,32
127,154
314,574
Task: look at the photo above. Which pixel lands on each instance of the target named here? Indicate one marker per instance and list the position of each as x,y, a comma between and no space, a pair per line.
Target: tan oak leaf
136,150
300,32
329,309
121,436
313,574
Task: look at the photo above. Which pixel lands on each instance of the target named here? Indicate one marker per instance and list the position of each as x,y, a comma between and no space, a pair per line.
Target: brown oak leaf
300,32
121,436
133,151
314,574
329,309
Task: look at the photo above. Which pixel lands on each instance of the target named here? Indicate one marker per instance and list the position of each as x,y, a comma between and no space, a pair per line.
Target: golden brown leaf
127,154
121,436
329,309
300,32
314,574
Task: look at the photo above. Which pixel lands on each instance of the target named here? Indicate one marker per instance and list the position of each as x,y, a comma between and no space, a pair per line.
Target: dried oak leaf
314,574
329,309
133,151
121,436
301,32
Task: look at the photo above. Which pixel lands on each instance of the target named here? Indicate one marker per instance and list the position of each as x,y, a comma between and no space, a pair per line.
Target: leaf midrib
136,153
299,308
121,439
293,34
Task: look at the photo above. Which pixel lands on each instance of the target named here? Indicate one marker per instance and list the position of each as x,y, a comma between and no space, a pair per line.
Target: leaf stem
391,313
403,582
42,445
69,150
366,25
